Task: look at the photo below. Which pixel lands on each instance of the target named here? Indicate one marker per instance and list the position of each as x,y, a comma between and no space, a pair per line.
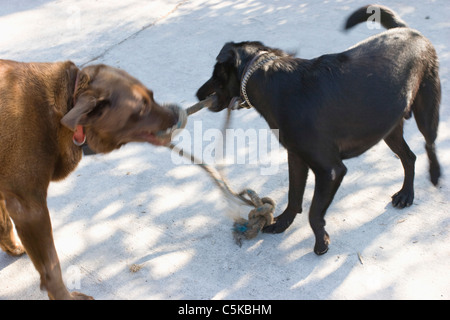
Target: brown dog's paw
80,296
17,251
13,250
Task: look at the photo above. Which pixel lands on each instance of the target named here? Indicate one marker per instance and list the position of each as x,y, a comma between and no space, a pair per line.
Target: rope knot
258,218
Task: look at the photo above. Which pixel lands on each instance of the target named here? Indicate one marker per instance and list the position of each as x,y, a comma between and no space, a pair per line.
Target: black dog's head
227,74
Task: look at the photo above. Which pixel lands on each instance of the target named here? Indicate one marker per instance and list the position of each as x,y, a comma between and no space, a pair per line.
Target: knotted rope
262,214
258,218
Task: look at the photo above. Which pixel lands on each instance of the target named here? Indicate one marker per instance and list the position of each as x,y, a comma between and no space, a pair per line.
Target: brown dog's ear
82,82
87,98
85,104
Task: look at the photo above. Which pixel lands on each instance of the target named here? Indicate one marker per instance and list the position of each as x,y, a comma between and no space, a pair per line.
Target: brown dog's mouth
163,137
153,138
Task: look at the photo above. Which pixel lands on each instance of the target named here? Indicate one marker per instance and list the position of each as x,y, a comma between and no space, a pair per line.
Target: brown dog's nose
180,116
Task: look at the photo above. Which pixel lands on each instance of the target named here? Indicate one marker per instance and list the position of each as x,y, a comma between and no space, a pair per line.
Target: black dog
336,107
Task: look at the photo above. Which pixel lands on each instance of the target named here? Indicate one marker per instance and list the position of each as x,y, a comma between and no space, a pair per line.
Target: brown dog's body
111,107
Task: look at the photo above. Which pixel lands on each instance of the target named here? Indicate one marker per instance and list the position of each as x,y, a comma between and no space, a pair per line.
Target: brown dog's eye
146,102
136,115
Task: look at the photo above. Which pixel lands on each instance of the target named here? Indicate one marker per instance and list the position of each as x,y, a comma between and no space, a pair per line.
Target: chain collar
257,62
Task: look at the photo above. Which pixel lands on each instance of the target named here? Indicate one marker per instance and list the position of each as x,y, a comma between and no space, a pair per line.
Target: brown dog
47,111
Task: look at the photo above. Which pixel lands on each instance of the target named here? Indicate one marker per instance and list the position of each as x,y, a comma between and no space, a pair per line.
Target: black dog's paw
277,227
435,173
282,222
321,246
403,199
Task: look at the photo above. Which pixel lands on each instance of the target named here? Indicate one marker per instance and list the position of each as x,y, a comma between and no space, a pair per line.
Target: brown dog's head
114,108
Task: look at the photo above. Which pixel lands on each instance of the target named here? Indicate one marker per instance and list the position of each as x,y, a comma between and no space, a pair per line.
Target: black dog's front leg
298,174
327,183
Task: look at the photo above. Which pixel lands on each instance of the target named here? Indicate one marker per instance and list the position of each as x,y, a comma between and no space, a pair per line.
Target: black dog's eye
220,73
218,83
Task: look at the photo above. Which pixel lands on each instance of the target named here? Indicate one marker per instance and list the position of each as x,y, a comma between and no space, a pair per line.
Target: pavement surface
139,223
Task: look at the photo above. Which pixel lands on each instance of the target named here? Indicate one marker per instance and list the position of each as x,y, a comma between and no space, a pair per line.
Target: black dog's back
338,86
421,76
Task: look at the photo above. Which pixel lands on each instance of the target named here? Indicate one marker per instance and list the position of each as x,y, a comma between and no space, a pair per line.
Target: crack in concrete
145,27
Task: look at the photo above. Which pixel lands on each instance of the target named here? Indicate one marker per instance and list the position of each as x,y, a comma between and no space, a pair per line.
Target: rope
207,103
261,215
258,218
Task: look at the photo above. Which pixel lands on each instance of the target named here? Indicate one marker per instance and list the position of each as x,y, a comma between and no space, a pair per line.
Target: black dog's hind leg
426,113
328,180
298,174
395,141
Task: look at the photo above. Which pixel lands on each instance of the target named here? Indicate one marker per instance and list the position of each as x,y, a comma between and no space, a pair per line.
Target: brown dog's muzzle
169,118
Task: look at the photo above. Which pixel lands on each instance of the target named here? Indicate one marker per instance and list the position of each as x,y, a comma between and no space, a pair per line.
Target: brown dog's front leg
298,174
33,225
327,183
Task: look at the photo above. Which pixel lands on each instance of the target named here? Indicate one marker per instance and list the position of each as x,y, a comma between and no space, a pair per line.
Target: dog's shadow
123,222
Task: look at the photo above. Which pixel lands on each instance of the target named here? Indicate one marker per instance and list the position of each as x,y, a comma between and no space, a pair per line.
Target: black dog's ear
228,54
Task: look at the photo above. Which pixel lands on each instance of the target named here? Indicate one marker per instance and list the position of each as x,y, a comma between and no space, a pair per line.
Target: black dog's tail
388,18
